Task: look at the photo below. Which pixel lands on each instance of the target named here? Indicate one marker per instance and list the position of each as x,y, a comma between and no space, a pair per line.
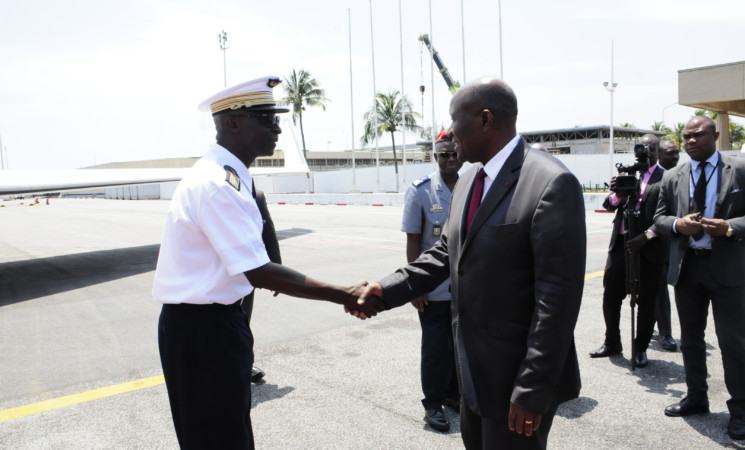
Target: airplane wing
29,181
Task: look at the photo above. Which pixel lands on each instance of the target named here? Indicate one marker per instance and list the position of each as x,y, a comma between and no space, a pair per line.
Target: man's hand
521,420
715,227
690,225
636,243
365,303
419,303
613,184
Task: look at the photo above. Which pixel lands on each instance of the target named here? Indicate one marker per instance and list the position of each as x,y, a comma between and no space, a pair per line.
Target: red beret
443,136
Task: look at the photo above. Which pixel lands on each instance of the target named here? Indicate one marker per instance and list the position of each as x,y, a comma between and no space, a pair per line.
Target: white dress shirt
494,165
212,235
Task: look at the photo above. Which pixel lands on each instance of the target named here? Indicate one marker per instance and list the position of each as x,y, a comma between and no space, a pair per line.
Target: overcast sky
86,82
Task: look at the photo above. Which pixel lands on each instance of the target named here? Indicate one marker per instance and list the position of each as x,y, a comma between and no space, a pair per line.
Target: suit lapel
724,177
505,181
654,178
684,189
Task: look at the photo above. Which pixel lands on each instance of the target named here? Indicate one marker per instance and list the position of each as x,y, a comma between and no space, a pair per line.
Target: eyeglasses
447,155
270,120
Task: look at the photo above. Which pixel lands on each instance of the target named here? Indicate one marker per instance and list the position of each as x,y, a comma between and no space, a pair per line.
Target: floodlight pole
222,38
611,87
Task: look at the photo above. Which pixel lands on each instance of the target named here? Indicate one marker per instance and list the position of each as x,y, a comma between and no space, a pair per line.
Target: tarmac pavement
78,331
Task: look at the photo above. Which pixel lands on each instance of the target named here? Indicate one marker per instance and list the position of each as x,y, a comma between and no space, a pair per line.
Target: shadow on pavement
34,278
264,392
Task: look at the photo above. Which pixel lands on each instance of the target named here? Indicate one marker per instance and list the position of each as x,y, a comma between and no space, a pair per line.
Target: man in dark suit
269,237
702,206
669,156
514,249
651,261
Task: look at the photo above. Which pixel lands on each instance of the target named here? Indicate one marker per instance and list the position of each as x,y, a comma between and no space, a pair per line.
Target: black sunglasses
270,120
447,155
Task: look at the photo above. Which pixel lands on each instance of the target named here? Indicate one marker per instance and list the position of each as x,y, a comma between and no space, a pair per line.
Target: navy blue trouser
439,379
207,352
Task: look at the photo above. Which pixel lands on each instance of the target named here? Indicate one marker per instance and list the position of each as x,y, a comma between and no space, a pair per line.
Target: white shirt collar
494,165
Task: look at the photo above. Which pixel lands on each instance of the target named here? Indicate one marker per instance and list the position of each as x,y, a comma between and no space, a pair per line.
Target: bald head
700,138
493,94
669,154
484,112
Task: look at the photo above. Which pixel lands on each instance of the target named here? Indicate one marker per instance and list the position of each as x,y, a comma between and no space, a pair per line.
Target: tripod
631,225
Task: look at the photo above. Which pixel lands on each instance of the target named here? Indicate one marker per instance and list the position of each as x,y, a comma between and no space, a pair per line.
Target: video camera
626,185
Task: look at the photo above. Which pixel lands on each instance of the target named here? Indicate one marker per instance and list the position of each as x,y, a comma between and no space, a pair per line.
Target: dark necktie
699,196
478,190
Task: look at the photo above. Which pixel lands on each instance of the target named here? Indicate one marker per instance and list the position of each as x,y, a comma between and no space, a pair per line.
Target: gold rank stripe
74,399
247,100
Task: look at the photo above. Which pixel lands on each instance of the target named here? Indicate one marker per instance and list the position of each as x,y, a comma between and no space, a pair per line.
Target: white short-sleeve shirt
212,235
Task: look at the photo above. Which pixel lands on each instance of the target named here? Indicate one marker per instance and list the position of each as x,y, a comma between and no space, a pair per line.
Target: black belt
699,251
188,308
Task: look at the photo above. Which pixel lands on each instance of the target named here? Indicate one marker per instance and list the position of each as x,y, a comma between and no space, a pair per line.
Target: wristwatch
729,232
649,235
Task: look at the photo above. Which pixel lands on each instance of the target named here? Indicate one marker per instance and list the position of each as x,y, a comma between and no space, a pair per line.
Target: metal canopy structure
719,88
593,132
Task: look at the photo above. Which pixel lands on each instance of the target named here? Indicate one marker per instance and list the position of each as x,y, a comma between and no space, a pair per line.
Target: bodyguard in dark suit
669,156
269,236
514,249
652,259
702,206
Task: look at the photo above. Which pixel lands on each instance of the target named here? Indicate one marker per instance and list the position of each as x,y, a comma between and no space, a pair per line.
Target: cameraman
652,260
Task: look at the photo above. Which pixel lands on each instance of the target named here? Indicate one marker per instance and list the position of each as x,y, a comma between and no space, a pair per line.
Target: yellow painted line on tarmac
69,400
74,399
591,275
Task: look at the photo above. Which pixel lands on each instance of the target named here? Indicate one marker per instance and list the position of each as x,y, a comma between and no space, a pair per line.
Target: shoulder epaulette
424,179
231,176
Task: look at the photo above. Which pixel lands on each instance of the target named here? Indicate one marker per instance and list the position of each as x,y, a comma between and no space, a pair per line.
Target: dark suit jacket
516,280
656,249
727,254
269,236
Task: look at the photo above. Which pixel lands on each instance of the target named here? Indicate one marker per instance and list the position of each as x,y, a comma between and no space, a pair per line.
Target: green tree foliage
302,90
392,112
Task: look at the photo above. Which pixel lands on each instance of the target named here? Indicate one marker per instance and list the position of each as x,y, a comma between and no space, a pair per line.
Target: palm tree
736,135
627,125
675,133
302,90
390,112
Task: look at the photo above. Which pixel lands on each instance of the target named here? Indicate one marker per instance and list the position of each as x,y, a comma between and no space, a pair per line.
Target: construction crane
452,85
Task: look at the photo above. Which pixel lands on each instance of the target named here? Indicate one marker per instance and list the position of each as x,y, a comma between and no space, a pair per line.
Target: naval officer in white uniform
212,255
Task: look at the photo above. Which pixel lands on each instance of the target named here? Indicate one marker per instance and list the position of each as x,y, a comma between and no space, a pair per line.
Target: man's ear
487,119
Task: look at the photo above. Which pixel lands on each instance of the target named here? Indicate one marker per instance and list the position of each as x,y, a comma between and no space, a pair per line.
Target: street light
222,39
611,87
663,111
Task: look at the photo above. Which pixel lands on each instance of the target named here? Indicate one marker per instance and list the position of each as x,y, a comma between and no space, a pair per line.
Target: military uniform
212,236
426,206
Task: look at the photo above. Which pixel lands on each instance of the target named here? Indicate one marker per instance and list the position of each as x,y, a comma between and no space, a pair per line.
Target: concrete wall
337,187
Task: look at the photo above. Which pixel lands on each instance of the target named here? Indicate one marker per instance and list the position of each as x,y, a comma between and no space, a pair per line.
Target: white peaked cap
256,95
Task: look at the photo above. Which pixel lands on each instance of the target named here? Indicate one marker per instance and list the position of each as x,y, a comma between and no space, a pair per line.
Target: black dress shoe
606,350
256,374
641,359
668,343
436,419
655,335
453,403
736,427
686,407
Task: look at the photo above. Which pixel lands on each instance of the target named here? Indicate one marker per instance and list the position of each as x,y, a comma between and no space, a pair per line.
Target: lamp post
663,111
611,87
222,38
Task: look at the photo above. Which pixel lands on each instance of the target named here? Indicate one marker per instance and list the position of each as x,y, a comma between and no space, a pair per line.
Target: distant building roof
592,132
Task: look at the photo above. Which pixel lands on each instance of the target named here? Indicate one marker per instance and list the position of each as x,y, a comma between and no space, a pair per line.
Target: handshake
364,300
